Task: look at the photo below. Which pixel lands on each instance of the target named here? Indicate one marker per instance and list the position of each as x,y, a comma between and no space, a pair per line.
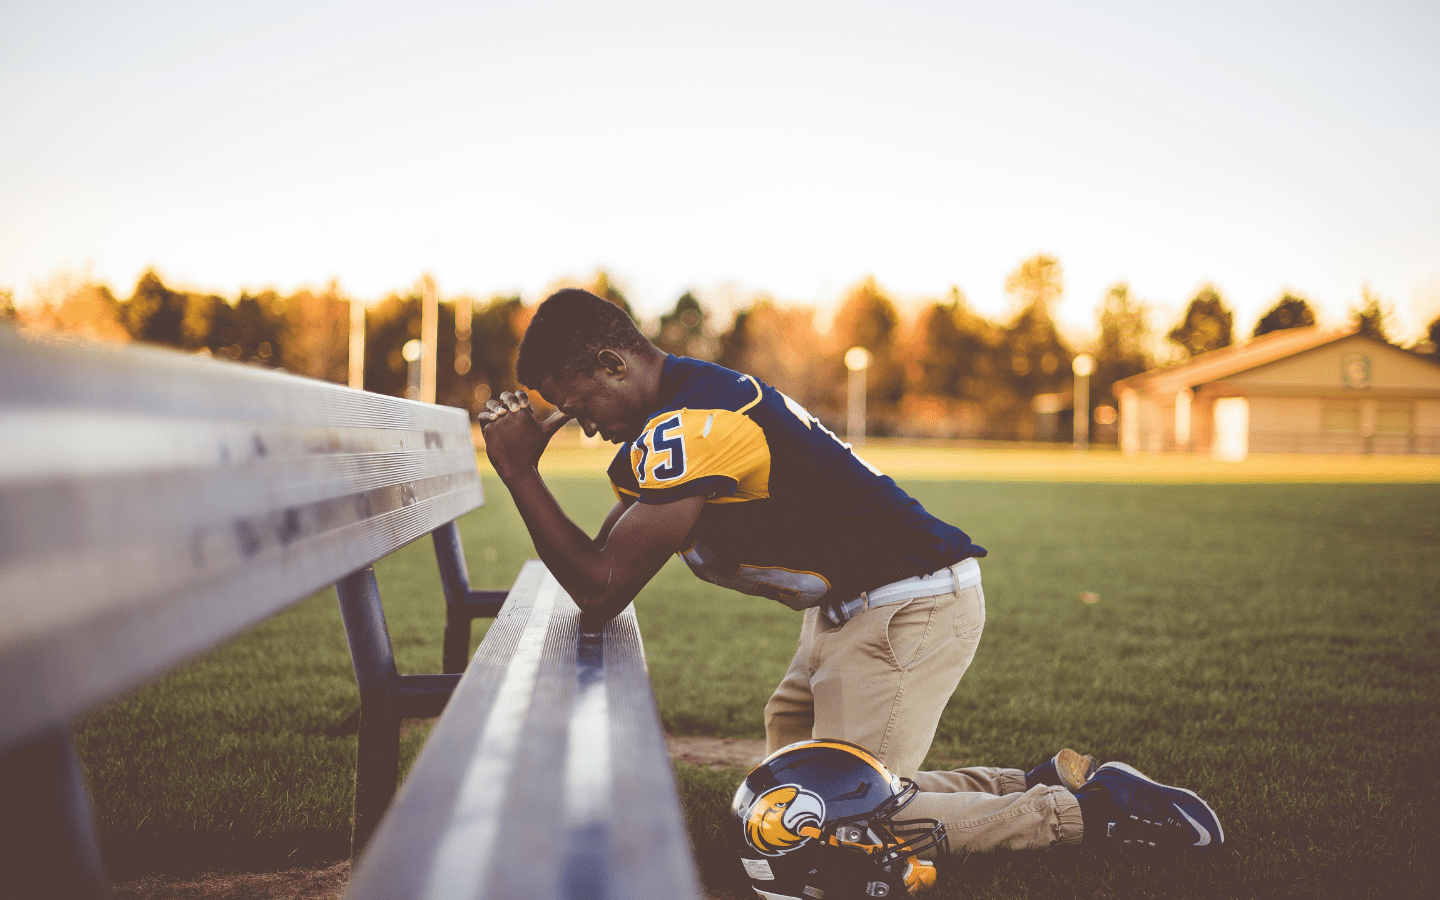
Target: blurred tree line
945,370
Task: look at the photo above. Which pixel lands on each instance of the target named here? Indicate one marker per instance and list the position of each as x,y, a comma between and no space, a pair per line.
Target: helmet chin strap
835,840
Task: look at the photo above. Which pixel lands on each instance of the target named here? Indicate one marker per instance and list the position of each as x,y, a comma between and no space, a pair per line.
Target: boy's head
585,356
567,334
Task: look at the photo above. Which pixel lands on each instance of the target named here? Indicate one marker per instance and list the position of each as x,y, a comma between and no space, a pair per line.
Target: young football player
755,494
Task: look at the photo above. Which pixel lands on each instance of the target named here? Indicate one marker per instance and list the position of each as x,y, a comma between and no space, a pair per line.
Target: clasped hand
514,438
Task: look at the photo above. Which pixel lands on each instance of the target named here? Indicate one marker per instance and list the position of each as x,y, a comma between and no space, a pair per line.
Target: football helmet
816,821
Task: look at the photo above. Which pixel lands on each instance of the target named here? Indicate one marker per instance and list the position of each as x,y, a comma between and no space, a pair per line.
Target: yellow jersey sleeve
716,452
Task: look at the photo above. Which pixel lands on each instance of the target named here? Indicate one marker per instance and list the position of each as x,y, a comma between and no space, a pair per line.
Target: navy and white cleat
1124,808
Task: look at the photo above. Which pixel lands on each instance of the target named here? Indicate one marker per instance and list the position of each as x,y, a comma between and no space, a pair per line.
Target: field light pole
357,343
1084,367
857,360
464,320
430,338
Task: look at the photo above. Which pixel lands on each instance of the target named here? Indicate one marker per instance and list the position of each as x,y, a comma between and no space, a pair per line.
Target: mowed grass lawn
1275,647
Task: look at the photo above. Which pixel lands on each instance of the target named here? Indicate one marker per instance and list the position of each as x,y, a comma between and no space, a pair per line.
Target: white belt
942,581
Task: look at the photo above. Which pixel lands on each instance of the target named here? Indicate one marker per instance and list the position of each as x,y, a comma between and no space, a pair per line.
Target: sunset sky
731,148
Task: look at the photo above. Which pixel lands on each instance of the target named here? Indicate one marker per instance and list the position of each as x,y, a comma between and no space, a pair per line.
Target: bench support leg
456,648
48,845
377,767
378,753
462,605
386,697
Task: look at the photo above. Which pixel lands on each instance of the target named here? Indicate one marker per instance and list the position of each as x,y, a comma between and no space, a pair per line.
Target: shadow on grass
181,854
1247,866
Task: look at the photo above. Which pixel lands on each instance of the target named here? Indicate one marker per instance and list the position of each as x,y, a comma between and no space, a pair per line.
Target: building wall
1427,416
1345,424
1202,423
1284,423
1285,414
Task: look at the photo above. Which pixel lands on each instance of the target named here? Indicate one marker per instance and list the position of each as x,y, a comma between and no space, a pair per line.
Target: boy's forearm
602,578
570,554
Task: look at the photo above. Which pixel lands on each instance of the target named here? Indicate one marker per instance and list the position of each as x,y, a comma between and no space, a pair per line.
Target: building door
1232,429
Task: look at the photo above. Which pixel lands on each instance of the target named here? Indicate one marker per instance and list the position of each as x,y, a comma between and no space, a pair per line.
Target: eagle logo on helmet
783,818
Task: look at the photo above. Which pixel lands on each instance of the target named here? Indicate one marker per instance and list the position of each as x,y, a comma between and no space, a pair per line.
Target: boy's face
600,401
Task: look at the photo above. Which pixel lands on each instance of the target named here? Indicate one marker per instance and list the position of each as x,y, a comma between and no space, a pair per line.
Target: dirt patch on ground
325,882
328,881
716,752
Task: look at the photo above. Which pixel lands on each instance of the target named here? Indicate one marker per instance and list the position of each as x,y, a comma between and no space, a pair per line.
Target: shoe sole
1219,837
1074,770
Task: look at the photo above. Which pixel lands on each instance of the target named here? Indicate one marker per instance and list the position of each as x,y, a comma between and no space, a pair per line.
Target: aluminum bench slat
153,504
548,775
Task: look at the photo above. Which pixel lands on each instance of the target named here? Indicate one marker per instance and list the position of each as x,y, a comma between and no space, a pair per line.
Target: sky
734,149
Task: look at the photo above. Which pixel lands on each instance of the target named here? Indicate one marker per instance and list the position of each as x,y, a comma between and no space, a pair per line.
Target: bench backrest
154,503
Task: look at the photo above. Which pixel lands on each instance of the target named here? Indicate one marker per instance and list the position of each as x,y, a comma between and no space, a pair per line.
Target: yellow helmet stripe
856,749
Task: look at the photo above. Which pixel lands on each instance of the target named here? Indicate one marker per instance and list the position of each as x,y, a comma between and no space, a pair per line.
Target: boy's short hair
569,329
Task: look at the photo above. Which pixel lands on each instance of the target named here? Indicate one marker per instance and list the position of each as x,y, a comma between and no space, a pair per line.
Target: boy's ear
613,363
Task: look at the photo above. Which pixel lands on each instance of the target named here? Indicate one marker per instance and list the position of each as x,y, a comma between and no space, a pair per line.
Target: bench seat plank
548,775
153,504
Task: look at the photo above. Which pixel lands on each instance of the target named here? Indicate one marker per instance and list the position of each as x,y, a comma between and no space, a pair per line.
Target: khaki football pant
882,680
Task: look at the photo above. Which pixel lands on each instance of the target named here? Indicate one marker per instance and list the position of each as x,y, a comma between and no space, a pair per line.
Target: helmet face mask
816,820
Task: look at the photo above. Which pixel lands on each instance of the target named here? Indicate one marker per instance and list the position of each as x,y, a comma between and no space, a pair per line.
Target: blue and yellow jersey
790,513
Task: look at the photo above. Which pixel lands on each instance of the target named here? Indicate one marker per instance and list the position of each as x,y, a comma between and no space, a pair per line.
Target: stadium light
1083,366
412,353
857,360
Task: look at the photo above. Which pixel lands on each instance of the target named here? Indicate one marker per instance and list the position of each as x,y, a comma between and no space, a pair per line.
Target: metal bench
547,777
153,504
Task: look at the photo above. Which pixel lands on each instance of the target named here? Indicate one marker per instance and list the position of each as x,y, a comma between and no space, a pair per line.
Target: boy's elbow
593,594
588,601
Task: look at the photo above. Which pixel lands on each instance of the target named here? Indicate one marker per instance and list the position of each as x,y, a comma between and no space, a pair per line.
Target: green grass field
1275,647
